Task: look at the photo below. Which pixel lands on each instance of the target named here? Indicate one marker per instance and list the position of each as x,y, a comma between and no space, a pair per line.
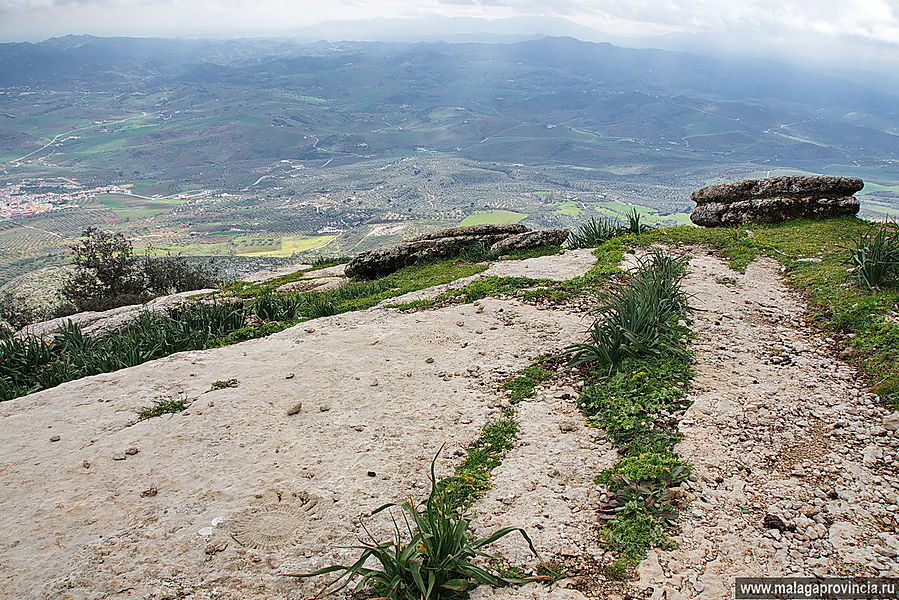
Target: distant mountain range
210,106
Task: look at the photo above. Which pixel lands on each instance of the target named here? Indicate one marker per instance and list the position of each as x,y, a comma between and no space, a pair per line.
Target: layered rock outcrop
449,242
775,199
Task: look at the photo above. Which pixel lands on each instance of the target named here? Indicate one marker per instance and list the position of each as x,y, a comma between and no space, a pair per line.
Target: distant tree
108,275
106,272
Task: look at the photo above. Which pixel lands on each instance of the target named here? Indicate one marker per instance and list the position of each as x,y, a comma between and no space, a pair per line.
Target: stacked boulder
775,199
450,242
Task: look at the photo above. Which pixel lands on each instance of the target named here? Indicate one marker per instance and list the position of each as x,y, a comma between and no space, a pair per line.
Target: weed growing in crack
162,406
523,385
638,369
472,478
223,384
433,555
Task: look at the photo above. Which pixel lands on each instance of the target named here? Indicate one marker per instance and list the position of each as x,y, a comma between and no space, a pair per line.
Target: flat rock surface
557,267
87,517
336,416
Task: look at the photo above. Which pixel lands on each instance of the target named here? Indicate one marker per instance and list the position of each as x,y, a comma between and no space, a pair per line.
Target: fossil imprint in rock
277,521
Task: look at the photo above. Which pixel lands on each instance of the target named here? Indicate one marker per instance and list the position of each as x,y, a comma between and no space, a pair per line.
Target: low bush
592,233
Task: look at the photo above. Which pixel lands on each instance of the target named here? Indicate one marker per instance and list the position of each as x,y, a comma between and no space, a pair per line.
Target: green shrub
108,275
433,558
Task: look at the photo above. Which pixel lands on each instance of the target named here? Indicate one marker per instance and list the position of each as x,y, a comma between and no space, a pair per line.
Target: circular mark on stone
278,521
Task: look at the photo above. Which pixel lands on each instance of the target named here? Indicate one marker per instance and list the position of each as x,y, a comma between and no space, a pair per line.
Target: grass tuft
162,406
874,257
433,555
639,318
224,384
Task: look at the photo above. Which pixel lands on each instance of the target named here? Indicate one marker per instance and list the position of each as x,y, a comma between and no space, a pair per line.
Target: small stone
86,464
372,474
310,330
289,376
569,425
54,438
295,409
150,492
374,383
891,421
132,451
429,360
118,457
774,522
212,549
324,408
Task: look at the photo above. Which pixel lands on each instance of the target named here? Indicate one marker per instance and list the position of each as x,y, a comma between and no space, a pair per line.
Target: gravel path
777,427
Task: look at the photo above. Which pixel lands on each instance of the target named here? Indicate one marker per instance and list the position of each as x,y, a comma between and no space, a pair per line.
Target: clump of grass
433,556
638,318
223,384
523,385
874,257
594,232
162,406
476,252
635,225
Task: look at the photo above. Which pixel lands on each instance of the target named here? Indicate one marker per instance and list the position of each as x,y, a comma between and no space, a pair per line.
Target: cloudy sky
869,27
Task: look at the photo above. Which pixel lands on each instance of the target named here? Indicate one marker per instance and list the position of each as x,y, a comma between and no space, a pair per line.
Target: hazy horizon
859,33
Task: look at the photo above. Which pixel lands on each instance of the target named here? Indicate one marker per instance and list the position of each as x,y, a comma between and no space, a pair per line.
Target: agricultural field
495,217
298,153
